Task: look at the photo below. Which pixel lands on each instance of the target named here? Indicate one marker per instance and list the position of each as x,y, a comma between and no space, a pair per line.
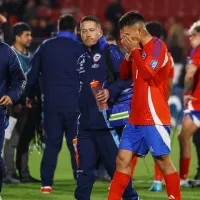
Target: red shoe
46,190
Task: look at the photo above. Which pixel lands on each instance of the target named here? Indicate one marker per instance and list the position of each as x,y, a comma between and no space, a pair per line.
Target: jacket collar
67,34
100,45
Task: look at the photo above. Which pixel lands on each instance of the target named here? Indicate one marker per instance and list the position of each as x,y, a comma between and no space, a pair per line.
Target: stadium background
42,15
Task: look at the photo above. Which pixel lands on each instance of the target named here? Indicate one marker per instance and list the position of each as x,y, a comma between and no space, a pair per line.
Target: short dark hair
155,29
19,28
130,18
91,18
67,23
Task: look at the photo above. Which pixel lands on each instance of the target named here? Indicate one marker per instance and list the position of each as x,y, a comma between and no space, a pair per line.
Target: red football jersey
150,71
195,60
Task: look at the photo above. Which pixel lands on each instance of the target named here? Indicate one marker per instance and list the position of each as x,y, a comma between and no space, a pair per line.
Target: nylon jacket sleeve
16,78
33,73
118,85
7,32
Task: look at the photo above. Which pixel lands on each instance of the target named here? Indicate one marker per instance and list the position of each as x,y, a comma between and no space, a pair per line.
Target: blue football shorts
194,115
142,139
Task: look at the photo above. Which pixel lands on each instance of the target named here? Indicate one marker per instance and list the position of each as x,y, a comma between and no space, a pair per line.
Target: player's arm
169,87
188,83
170,77
125,68
189,77
149,67
16,77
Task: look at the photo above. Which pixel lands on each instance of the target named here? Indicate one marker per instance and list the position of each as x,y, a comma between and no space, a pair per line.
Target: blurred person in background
113,13
175,39
55,63
108,29
111,40
26,117
12,84
176,45
95,137
191,121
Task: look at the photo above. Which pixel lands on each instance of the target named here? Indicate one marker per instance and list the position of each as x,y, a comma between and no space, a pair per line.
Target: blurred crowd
42,16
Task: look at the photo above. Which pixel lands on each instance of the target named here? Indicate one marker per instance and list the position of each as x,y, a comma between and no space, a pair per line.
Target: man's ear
101,33
75,30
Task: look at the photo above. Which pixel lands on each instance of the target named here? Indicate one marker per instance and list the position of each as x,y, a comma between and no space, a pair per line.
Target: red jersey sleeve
156,58
195,57
125,70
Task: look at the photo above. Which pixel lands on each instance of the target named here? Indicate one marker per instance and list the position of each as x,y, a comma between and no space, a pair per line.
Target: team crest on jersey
154,64
97,57
144,55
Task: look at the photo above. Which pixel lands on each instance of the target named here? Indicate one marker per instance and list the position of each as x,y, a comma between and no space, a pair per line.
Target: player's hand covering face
130,37
129,43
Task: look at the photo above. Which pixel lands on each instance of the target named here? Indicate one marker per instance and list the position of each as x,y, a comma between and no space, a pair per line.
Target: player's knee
182,137
122,162
165,164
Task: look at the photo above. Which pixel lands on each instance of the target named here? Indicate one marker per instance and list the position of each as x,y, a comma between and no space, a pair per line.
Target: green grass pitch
64,184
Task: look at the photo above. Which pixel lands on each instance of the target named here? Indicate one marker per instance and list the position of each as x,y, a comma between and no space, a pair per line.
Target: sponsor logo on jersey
94,66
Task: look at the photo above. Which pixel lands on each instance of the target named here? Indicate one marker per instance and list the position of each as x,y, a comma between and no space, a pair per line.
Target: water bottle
96,87
74,141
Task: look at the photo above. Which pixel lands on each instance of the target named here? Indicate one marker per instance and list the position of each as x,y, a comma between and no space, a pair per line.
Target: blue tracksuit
94,137
56,62
12,83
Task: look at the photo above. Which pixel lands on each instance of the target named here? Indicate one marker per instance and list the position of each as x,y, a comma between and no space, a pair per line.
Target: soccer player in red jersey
149,124
155,29
191,121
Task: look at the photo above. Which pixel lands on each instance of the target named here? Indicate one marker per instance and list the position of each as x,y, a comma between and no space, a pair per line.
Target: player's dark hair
67,23
130,18
155,29
91,18
19,28
197,29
